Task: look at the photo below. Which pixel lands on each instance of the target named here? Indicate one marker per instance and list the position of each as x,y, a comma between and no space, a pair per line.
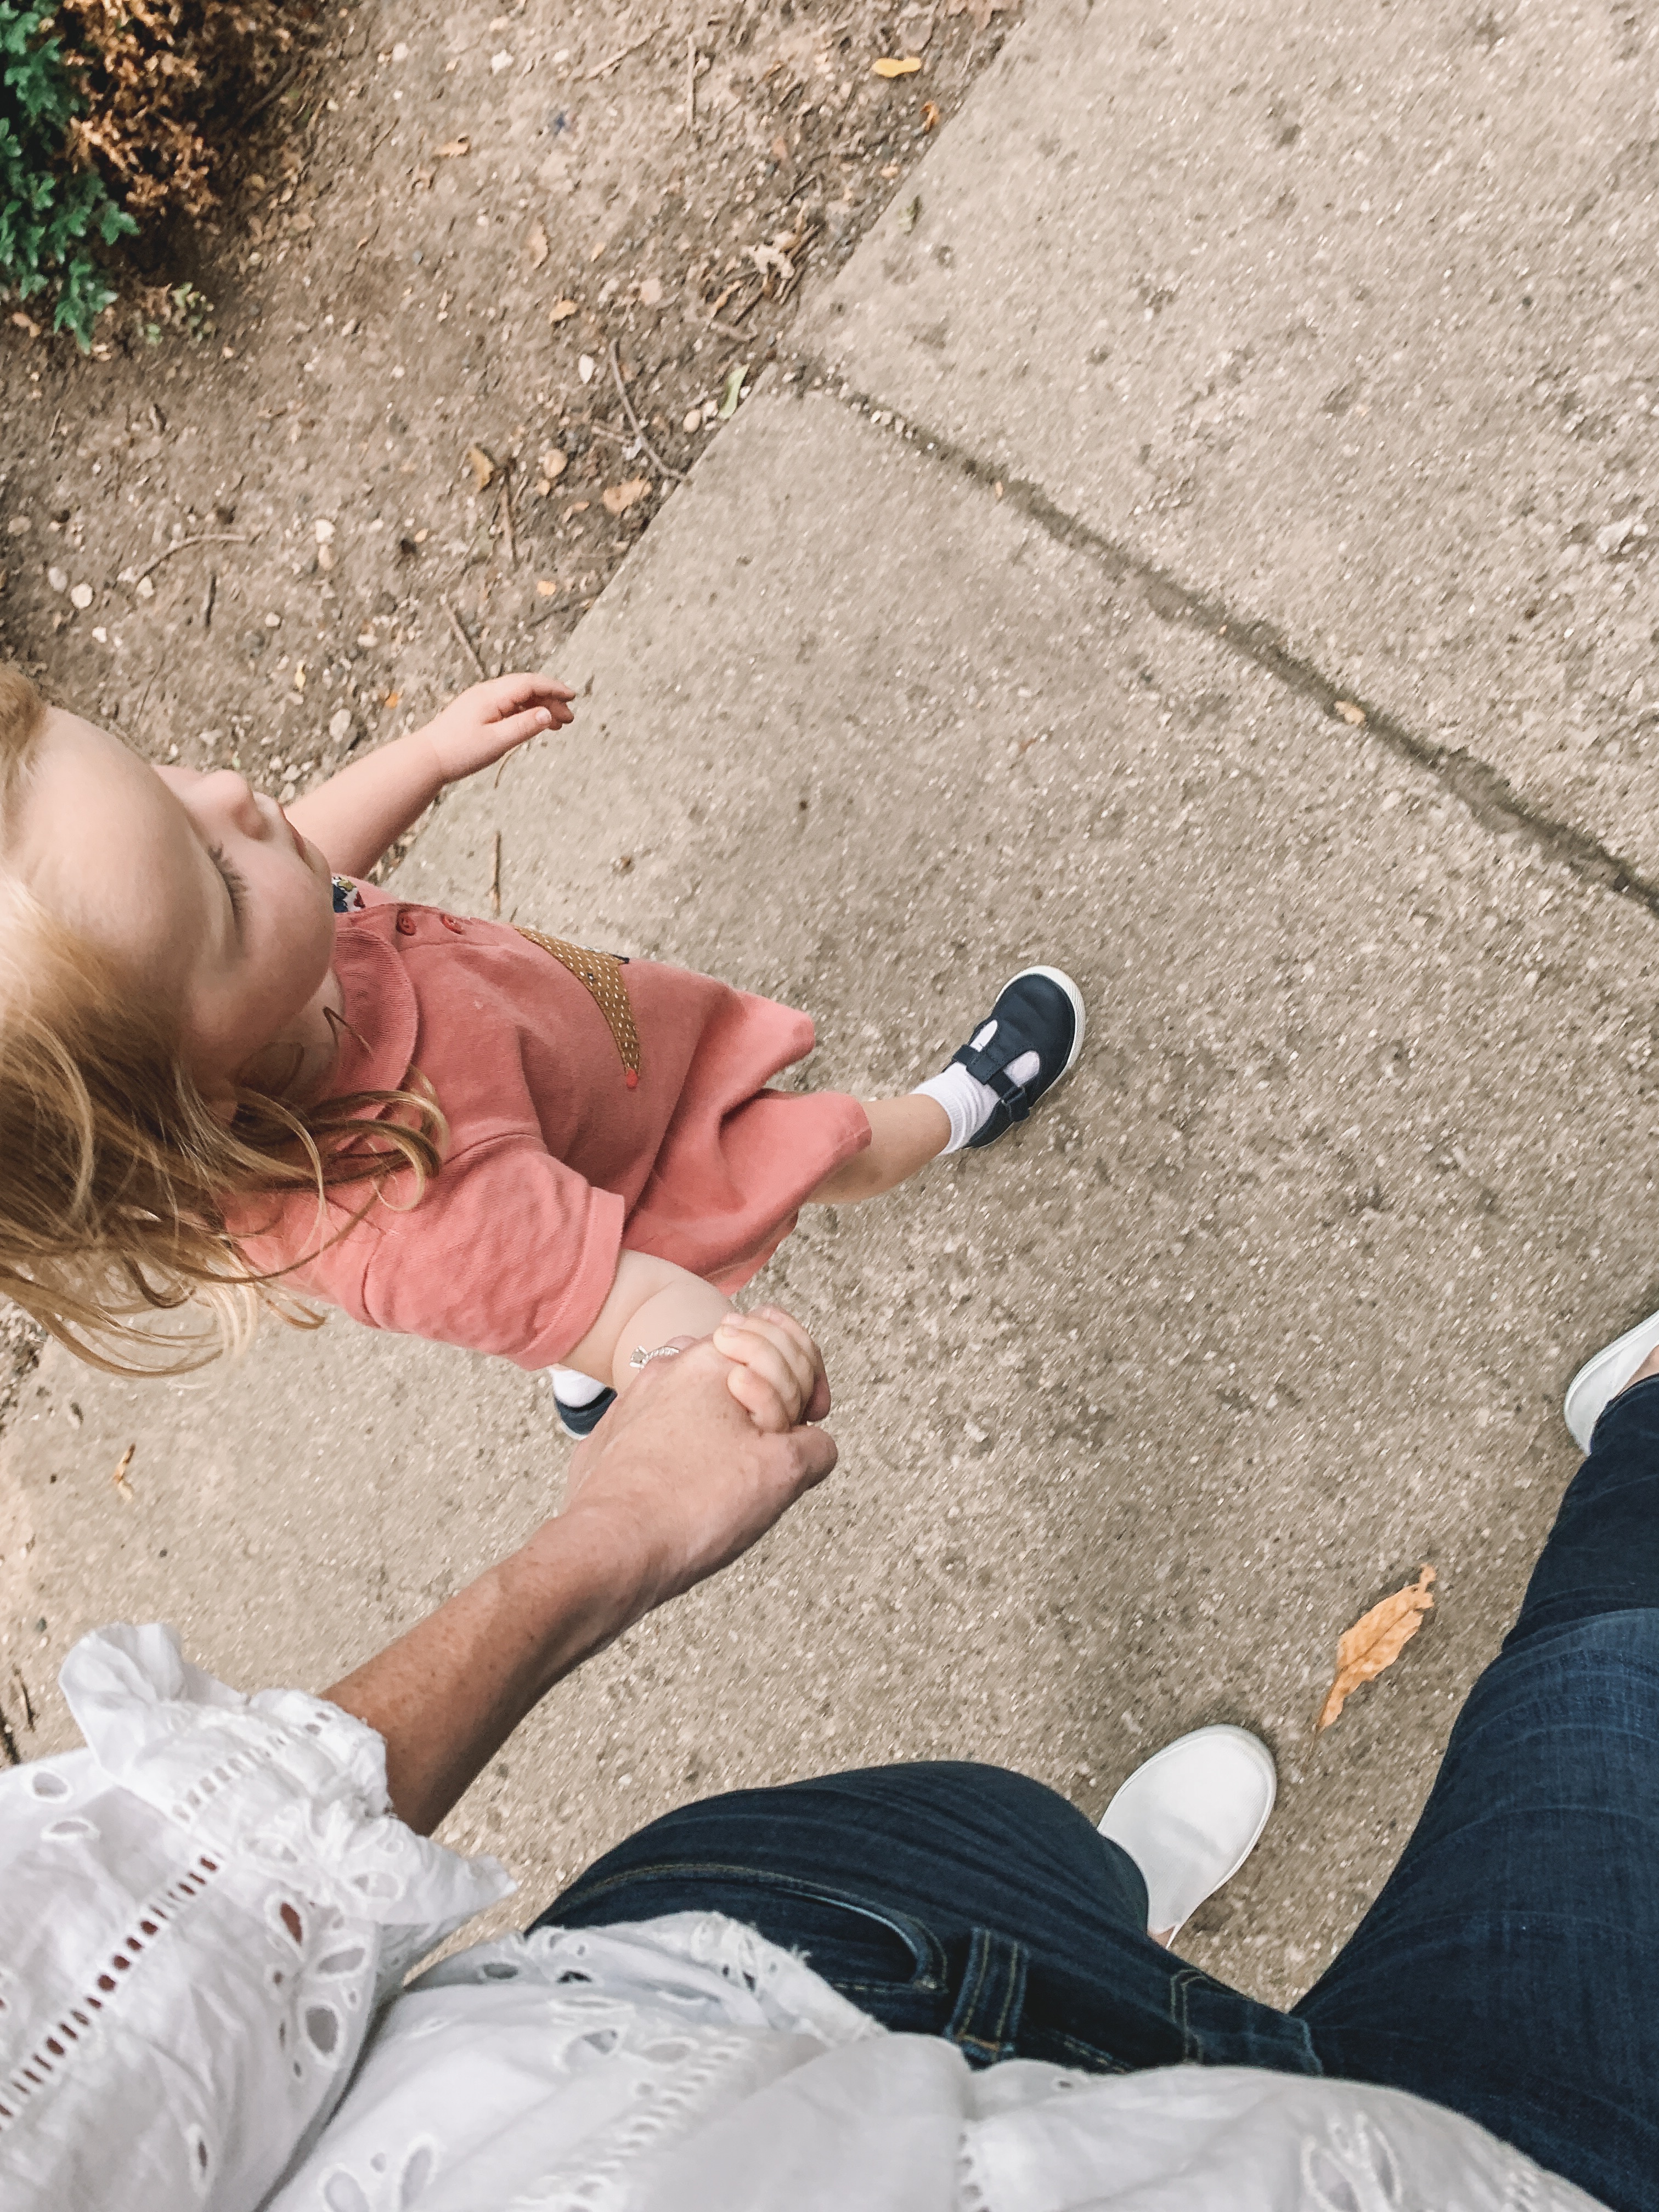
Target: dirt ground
370,443
383,388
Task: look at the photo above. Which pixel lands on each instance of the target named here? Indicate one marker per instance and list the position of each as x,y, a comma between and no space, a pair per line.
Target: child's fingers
755,1351
784,1337
760,1401
506,694
515,729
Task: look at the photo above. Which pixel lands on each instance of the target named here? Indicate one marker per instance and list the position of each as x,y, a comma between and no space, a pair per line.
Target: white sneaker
1603,1377
1191,1816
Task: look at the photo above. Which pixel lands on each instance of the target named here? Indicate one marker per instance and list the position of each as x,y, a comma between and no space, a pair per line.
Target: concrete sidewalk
1275,1301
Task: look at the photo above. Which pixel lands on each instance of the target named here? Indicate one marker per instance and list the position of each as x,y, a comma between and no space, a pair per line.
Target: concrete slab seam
1486,793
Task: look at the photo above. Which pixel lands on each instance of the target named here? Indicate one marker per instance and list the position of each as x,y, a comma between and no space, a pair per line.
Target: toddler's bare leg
905,1134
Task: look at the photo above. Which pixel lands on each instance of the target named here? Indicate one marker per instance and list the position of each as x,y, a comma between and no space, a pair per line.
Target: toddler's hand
475,730
777,1373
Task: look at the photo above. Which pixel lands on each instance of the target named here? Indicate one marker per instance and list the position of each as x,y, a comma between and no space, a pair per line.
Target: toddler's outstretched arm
357,815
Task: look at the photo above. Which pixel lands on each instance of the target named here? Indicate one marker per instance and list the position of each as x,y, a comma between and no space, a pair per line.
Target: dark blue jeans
1510,1968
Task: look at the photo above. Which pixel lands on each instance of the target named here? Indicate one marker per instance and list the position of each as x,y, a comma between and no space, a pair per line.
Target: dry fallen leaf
118,1480
536,247
547,586
453,149
767,258
560,311
890,67
483,469
618,498
728,406
1376,1640
555,461
1350,712
390,700
929,116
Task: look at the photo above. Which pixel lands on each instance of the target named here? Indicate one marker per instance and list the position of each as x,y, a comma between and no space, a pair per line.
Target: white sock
572,1388
967,1102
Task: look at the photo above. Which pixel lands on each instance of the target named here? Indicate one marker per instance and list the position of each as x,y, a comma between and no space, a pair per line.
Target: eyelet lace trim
57,2045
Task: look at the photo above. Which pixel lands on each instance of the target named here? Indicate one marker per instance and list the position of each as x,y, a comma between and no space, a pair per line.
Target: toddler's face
197,884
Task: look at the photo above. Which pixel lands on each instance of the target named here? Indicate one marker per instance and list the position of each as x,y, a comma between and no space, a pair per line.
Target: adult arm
677,1482
358,815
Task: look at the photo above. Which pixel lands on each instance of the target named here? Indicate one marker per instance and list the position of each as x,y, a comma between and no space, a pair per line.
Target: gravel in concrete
1341,320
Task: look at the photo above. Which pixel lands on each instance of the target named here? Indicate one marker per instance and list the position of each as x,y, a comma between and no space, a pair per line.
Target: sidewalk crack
1484,790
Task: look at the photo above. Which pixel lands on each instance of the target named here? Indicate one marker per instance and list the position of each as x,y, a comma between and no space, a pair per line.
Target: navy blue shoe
1040,1012
582,1420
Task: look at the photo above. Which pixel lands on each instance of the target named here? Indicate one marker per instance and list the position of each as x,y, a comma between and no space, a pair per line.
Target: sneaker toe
1191,1816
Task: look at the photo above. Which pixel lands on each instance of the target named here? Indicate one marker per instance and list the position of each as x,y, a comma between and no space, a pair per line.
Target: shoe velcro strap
1013,1096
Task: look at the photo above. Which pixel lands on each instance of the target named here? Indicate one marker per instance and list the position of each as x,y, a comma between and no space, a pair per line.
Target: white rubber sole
1604,1377
1059,975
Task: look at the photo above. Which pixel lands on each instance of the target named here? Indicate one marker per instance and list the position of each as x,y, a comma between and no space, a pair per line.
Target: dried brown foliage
161,78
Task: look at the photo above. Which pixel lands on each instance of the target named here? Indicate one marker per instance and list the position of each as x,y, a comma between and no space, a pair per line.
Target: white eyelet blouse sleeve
198,1916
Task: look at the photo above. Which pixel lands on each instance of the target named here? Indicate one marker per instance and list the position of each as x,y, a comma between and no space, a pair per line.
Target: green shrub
51,211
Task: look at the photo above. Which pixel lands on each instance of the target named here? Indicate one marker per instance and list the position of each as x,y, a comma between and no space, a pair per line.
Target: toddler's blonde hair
115,1174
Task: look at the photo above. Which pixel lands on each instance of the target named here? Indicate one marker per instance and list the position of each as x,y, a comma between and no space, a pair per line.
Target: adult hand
678,1470
675,1481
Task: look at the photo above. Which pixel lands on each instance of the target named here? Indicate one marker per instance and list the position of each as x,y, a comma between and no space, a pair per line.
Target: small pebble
81,596
693,417
57,580
324,532
585,366
339,723
146,589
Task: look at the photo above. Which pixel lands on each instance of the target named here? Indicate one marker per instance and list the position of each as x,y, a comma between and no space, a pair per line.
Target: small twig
678,475
9,1749
507,517
691,84
495,877
462,639
264,99
737,313
119,1481
183,544
737,337
208,597
23,1692
605,67
613,437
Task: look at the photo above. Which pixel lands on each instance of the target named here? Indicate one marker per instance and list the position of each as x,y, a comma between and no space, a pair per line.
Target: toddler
231,1069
